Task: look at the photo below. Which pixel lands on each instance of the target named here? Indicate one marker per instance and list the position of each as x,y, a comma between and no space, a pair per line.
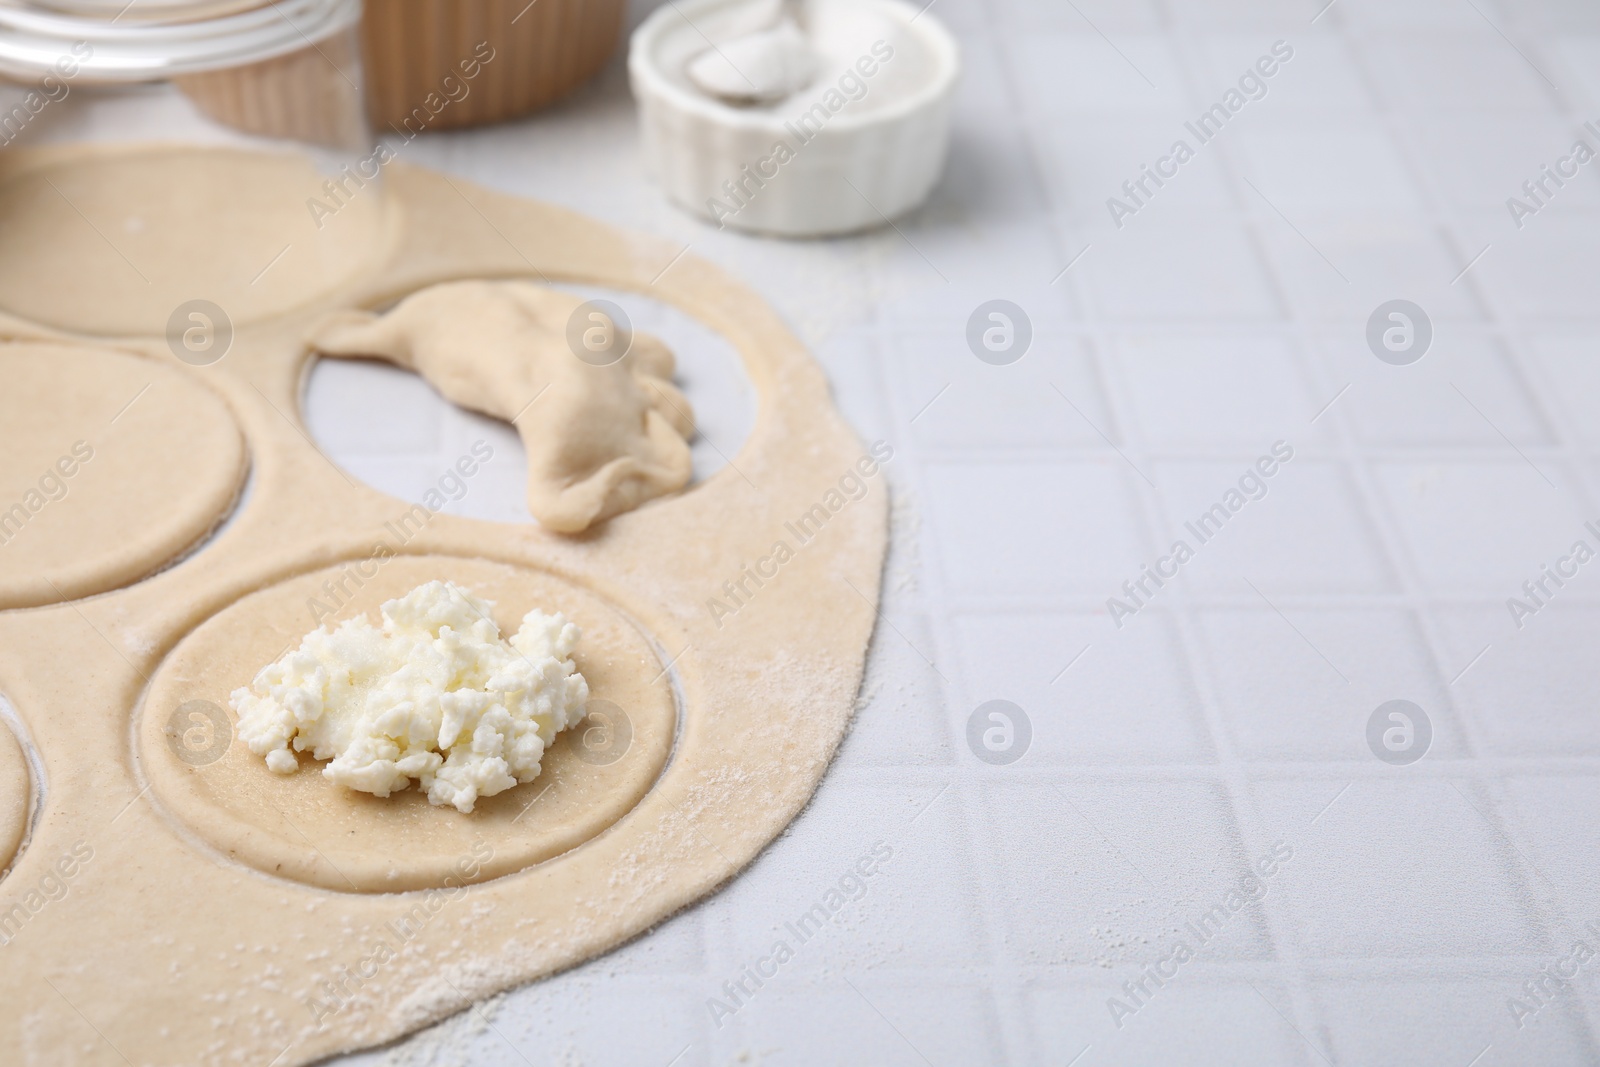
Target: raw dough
110,466
236,940
15,791
601,440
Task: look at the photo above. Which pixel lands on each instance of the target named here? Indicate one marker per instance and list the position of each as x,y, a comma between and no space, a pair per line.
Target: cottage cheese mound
435,694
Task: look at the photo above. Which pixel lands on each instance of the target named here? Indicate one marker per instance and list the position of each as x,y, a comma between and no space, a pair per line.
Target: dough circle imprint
302,827
16,788
111,465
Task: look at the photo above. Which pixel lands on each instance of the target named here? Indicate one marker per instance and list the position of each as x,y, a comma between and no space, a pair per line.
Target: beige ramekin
541,51
312,94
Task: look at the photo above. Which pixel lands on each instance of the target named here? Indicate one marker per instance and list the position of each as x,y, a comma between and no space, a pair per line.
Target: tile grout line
1376,515
1018,1032
1445,217
1279,921
949,685
1504,324
1579,481
1236,817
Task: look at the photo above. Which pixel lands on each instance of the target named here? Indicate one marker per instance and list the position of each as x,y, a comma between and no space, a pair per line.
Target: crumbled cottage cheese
435,695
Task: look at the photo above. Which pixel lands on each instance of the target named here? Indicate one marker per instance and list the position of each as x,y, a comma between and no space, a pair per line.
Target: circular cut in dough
15,789
124,231
110,466
302,827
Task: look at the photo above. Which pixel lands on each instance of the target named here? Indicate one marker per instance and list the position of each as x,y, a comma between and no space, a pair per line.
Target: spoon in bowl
762,67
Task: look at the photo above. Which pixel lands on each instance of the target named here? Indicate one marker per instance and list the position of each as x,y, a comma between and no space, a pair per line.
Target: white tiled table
1230,714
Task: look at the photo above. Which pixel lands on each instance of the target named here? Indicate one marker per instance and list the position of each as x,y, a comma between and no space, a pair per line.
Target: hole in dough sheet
303,828
392,430
21,785
112,467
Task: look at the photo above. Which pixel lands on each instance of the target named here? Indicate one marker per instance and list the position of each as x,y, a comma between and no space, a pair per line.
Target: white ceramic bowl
863,143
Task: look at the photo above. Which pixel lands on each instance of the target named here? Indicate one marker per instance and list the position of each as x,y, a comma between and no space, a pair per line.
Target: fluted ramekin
863,144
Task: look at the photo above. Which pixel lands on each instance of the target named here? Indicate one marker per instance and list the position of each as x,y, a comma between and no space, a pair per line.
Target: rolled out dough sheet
279,921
